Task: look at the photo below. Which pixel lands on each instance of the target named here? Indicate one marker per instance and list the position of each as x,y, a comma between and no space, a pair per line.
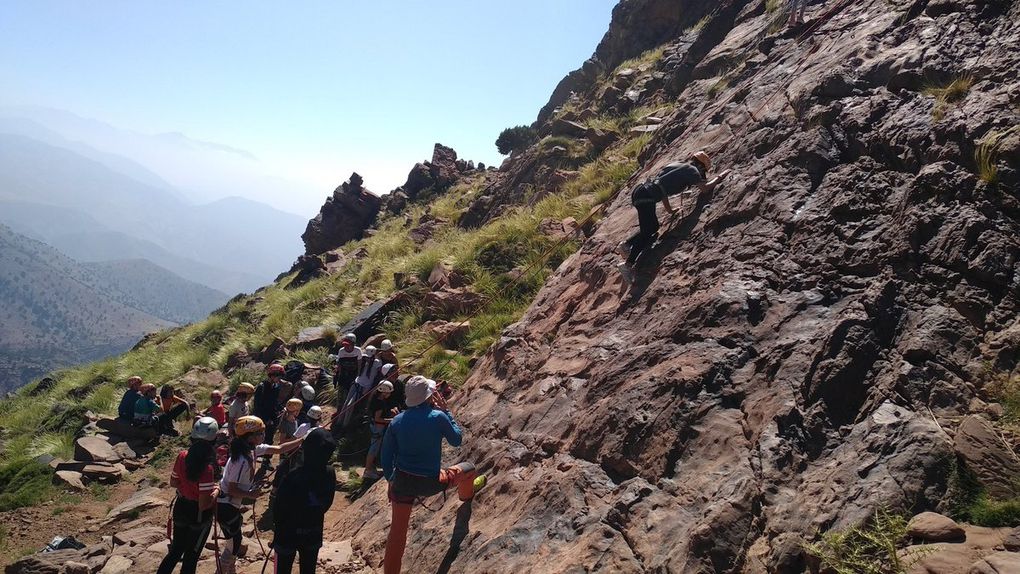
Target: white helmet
386,345
351,337
315,413
385,387
308,393
205,429
370,351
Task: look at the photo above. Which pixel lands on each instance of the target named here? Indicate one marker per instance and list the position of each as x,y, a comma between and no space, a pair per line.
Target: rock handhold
934,527
95,449
982,450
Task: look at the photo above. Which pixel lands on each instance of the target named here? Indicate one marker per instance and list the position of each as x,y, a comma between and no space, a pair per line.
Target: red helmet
276,369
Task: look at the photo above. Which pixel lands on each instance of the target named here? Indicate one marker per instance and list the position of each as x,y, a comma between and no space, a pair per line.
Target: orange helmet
249,425
294,405
245,388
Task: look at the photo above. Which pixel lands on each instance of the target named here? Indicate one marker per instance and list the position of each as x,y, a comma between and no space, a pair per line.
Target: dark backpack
293,371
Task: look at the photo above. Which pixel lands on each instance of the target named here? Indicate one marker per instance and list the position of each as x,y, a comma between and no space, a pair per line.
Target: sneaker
626,272
623,248
479,483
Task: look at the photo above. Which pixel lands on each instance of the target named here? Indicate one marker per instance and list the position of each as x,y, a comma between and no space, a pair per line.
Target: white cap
386,345
351,337
385,370
315,413
308,393
418,390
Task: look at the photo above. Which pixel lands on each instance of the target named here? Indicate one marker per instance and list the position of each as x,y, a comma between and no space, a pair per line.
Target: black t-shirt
673,179
378,403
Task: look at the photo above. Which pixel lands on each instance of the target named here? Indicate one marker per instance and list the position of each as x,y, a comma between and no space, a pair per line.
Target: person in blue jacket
412,461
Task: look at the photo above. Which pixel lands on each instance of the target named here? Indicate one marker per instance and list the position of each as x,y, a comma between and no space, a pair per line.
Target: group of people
408,420
142,406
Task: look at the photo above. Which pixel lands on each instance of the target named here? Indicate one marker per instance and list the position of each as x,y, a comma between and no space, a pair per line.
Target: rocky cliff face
800,346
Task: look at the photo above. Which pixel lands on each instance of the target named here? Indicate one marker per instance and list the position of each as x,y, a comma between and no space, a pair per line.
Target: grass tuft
986,156
948,94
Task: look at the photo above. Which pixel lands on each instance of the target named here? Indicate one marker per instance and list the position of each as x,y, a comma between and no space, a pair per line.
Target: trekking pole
216,535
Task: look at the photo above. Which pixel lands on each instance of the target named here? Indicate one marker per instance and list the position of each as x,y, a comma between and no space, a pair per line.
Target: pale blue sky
314,89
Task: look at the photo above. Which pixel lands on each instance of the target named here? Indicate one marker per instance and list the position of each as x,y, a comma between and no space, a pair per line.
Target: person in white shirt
348,359
238,482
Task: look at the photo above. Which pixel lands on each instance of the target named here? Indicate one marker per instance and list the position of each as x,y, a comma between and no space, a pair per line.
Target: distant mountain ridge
74,202
54,312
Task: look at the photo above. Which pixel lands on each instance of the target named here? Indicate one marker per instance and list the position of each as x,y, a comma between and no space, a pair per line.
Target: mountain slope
156,291
797,345
54,313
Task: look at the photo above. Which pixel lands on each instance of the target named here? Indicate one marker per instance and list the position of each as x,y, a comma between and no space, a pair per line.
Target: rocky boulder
43,563
345,216
144,499
985,453
934,527
445,331
95,449
444,169
450,302
70,479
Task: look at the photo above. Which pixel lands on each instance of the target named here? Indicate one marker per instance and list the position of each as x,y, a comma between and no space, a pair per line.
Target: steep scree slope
777,368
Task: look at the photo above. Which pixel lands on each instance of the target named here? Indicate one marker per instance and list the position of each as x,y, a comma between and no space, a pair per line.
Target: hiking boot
626,272
479,483
623,248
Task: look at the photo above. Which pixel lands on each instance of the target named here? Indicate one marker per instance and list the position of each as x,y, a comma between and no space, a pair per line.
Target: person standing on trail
239,406
381,410
386,353
126,409
412,461
216,409
238,483
303,498
368,373
348,358
673,179
266,401
192,476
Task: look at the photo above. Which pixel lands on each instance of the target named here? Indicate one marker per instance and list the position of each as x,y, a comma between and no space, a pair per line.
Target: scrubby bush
873,548
515,139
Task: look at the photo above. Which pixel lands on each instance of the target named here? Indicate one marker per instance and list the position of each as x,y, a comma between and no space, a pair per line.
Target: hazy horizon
279,104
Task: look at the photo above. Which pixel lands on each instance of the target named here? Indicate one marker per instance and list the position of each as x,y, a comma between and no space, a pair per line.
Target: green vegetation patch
947,93
24,482
873,548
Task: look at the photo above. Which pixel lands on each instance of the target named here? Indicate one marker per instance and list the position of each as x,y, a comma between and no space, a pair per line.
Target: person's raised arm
711,184
283,448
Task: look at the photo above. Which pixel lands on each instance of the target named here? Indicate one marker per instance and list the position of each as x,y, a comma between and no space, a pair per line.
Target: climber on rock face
412,461
672,179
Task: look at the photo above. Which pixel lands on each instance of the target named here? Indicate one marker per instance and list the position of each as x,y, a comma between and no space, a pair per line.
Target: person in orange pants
411,460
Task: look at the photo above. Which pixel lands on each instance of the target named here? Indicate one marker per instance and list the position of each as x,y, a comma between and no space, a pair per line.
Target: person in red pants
412,461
